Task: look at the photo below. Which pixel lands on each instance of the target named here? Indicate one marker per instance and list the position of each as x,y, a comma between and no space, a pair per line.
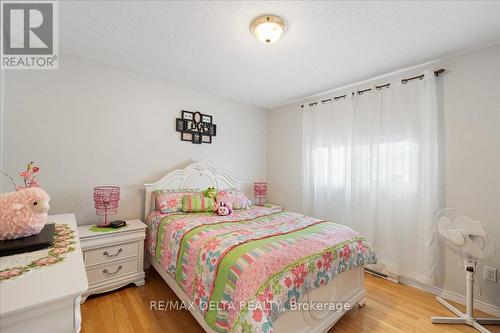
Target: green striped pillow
193,203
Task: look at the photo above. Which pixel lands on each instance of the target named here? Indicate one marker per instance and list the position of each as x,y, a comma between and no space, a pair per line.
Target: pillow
194,203
170,201
237,199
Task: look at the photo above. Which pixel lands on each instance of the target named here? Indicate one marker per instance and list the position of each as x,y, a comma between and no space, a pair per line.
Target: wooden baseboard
452,296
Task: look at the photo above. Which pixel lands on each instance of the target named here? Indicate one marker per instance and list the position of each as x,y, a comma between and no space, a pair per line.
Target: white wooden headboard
195,175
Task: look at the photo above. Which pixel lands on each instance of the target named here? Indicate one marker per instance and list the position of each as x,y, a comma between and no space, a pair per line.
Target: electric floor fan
469,239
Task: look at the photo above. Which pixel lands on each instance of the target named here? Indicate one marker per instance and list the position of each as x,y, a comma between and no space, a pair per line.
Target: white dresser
113,259
47,299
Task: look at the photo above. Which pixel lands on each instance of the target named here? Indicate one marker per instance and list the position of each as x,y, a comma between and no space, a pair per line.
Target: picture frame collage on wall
195,127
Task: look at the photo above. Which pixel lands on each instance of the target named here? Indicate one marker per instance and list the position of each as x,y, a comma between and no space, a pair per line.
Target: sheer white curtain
371,161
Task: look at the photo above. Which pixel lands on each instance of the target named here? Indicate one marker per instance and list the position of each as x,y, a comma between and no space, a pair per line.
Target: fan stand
465,318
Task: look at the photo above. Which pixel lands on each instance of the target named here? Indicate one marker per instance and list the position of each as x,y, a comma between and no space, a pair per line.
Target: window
385,165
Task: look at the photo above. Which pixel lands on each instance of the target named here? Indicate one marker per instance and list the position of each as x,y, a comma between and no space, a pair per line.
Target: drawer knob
105,253
108,274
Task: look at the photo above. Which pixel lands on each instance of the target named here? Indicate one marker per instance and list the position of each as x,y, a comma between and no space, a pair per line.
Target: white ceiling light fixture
268,29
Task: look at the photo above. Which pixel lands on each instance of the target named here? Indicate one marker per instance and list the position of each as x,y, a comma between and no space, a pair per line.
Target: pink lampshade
106,200
260,191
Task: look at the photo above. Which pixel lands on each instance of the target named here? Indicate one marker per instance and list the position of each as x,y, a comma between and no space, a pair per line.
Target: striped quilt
245,269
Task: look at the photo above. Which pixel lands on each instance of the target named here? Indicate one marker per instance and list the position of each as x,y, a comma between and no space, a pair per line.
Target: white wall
470,92
89,124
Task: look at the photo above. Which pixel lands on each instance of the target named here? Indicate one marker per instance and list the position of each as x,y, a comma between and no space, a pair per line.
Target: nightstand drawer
111,271
110,253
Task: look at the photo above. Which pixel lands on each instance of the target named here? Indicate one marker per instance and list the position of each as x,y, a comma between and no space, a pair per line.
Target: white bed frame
348,287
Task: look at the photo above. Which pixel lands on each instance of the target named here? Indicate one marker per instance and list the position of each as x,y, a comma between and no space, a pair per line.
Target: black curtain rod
387,85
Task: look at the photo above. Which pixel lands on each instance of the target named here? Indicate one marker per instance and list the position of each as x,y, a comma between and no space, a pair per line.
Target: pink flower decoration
360,247
265,299
266,295
61,244
172,202
10,273
300,274
288,282
179,226
25,174
199,288
46,261
345,253
60,228
62,238
257,315
63,232
212,244
60,250
327,260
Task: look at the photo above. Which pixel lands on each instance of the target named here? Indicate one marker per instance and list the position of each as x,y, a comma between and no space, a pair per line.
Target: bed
256,270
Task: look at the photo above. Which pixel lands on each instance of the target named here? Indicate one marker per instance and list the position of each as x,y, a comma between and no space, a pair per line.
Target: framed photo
187,115
185,136
197,117
212,130
180,125
206,139
196,138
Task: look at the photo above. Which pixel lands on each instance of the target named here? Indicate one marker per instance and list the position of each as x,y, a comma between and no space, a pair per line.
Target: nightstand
113,259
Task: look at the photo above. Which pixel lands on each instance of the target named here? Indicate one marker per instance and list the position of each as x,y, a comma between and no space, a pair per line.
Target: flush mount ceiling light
268,28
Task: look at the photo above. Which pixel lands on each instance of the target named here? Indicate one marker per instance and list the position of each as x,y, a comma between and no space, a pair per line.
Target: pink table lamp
260,191
106,200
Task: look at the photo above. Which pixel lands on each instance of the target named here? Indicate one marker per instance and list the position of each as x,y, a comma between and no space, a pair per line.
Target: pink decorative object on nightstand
260,191
106,200
23,213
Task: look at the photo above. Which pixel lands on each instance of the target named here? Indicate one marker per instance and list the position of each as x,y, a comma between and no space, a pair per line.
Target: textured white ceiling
206,45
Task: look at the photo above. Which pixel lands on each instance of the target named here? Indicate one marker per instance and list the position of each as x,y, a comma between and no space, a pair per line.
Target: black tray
28,244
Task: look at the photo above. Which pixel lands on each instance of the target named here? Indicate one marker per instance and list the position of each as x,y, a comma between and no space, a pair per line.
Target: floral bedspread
243,270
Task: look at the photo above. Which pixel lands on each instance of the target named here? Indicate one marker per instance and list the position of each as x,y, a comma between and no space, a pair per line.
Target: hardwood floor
389,308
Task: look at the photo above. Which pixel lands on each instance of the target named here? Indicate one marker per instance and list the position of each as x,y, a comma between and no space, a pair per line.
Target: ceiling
207,45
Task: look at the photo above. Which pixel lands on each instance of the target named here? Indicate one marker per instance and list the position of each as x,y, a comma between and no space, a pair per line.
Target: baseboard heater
382,275
376,273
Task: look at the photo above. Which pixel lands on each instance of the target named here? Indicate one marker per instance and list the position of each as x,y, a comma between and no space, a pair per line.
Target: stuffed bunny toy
223,208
